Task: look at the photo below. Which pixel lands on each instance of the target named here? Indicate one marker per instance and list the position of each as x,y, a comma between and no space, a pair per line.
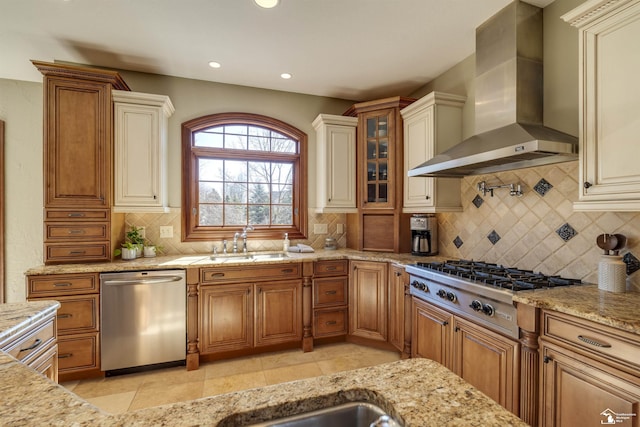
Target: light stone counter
619,310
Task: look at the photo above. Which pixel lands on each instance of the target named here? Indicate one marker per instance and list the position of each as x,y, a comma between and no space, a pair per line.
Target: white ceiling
352,49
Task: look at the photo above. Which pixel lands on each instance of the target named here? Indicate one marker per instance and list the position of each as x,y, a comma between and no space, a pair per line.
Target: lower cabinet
368,299
239,316
590,373
330,298
399,306
486,360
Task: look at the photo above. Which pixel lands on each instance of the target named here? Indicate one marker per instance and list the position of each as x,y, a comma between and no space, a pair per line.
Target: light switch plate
166,231
320,229
339,228
142,231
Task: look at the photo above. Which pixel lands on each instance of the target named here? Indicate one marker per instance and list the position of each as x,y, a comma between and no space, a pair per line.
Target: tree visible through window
239,170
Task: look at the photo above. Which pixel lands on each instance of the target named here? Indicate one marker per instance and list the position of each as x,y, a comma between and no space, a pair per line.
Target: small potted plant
151,249
128,251
135,238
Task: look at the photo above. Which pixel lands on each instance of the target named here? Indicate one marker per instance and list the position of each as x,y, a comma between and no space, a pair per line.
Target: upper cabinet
432,124
609,104
336,162
141,126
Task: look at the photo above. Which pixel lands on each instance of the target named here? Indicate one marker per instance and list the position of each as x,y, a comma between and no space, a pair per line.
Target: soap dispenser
285,243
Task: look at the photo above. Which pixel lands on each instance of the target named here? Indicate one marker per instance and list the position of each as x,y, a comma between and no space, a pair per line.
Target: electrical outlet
339,228
166,231
320,229
142,231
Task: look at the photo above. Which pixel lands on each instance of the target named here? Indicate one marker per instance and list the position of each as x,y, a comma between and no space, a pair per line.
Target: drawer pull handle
65,355
287,270
61,284
35,344
217,275
330,293
332,268
77,252
593,342
64,315
75,215
330,323
76,231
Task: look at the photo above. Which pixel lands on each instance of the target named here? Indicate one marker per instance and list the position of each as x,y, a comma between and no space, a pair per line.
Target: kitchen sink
250,257
353,414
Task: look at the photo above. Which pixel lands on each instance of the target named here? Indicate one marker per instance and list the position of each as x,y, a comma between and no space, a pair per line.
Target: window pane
281,215
259,144
210,215
235,192
282,173
259,214
210,192
259,171
210,169
236,142
281,145
205,139
235,170
281,194
259,131
236,129
258,193
235,214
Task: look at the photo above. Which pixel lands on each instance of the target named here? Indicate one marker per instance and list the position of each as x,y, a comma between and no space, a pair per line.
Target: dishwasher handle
144,281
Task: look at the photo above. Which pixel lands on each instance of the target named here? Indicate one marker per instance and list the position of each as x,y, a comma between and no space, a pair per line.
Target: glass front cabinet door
378,127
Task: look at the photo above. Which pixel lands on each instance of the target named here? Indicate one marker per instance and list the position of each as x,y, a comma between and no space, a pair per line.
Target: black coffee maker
424,235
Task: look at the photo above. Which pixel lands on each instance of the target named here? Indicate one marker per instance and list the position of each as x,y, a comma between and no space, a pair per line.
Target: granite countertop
619,310
418,391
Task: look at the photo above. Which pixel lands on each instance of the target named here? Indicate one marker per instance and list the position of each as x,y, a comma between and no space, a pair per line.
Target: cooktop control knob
451,296
419,285
476,305
442,293
488,309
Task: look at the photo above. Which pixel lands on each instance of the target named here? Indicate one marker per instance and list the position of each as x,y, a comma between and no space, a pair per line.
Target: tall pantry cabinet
380,224
77,162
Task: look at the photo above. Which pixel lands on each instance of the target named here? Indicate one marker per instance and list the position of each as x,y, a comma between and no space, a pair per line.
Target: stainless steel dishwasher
143,320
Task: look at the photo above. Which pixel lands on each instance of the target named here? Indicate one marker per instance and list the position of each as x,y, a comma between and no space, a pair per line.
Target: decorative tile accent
477,201
633,264
566,232
458,242
542,187
493,237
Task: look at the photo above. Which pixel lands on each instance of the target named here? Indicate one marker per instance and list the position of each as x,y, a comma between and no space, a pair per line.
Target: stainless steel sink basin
353,414
249,257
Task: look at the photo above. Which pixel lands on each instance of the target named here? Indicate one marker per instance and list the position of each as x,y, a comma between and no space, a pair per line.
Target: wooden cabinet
486,360
140,143
330,298
590,372
247,307
379,224
399,308
36,346
77,320
336,163
609,98
432,124
368,300
77,161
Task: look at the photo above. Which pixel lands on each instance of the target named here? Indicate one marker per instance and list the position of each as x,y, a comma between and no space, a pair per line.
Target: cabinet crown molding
144,99
332,119
433,98
592,10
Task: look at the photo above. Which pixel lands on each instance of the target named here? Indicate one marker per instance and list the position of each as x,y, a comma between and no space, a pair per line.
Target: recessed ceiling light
267,4
214,64
285,75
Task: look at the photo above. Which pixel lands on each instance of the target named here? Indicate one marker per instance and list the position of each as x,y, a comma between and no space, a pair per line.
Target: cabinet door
377,151
577,391
418,148
397,281
368,300
226,321
278,312
487,361
77,143
430,333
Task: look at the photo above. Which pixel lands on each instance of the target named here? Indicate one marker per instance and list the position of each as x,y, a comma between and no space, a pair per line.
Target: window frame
191,230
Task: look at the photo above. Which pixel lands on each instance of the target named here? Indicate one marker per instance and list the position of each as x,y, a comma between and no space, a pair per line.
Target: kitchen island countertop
418,391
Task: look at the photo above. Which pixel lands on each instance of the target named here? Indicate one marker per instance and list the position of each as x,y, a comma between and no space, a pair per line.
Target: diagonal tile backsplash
537,231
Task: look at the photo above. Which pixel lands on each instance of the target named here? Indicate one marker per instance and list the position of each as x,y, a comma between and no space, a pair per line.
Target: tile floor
135,391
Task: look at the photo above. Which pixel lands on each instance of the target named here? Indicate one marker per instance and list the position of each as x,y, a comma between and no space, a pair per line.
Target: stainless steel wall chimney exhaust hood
508,109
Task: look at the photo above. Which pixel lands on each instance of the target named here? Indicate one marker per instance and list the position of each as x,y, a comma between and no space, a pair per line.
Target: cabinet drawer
34,343
77,215
64,284
77,252
77,314
47,364
331,268
330,291
250,273
328,323
65,232
78,352
596,339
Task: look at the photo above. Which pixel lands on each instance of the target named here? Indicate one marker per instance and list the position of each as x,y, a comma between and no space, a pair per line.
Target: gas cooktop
496,275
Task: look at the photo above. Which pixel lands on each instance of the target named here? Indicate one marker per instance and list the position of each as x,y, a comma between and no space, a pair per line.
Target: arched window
242,169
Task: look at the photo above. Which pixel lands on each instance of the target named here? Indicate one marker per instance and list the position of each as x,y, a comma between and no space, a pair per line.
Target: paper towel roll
612,274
